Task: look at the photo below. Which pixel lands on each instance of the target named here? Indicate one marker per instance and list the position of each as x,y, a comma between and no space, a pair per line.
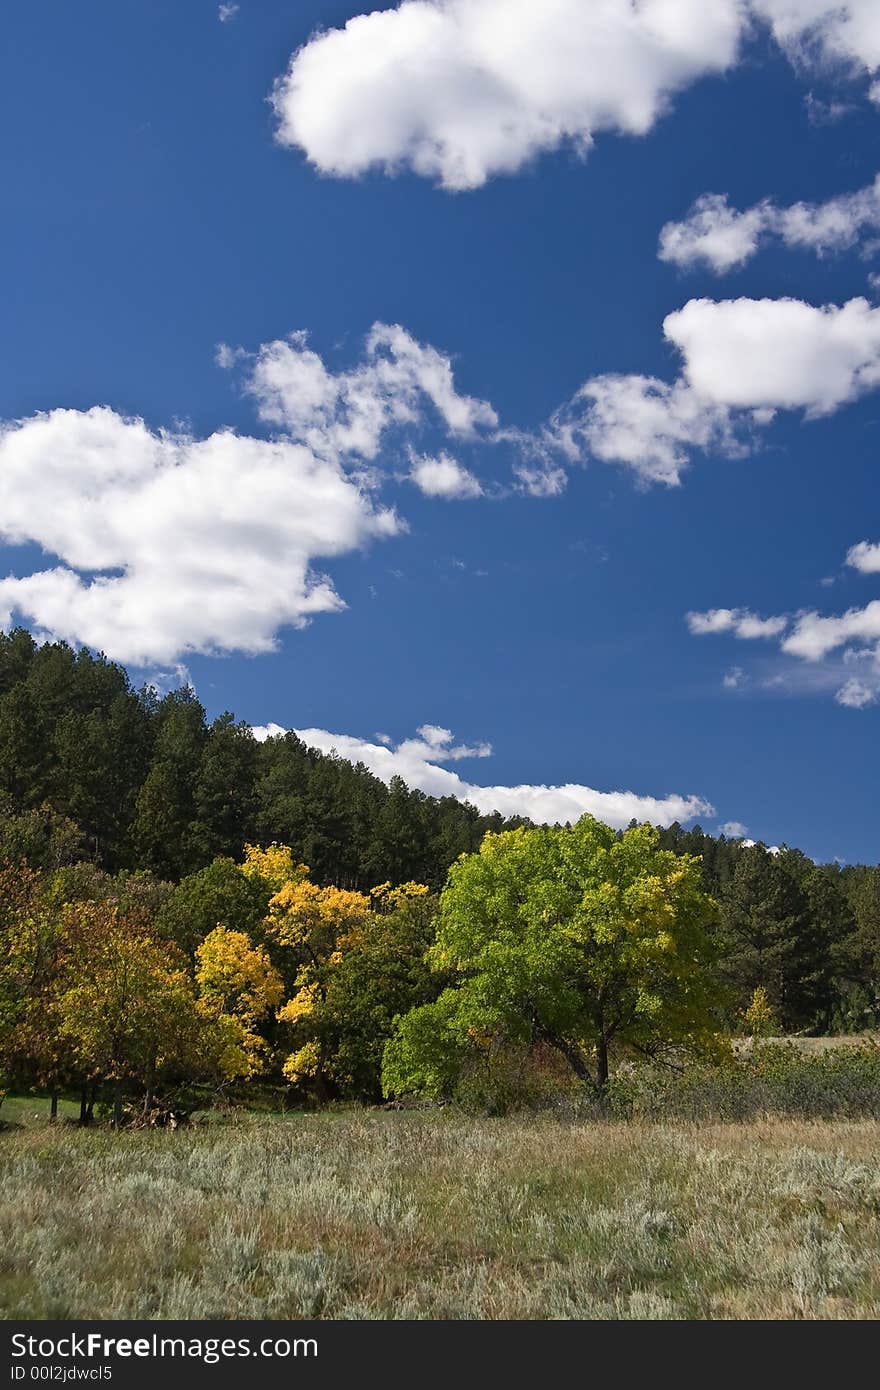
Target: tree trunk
573,1056
602,1062
84,1107
53,1107
117,1105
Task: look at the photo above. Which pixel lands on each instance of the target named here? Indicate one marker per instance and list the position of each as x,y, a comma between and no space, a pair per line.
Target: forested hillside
150,795
151,785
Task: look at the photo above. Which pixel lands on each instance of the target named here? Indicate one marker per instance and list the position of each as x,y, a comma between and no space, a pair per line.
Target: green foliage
573,937
220,893
150,785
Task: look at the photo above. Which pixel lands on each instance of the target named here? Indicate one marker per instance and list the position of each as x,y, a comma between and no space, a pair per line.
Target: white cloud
170,544
445,477
742,360
714,233
855,694
460,90
643,423
841,652
753,354
864,557
813,636
740,621
734,830
718,236
417,762
227,12
843,33
347,413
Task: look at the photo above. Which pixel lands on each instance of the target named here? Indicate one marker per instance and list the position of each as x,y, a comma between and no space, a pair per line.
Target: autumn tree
128,1007
308,926
239,989
343,1012
574,937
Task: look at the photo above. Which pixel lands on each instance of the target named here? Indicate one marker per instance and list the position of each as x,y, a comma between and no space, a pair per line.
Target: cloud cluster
459,91
738,621
348,413
418,762
842,651
716,235
170,544
742,361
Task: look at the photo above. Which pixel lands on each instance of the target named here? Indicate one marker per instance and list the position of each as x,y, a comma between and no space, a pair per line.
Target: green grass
34,1110
377,1214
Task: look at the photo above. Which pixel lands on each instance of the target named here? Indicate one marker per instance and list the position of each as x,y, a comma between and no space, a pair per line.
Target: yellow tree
274,864
357,958
239,988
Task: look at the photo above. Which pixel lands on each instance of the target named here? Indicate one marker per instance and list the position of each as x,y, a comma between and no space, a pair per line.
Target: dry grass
359,1214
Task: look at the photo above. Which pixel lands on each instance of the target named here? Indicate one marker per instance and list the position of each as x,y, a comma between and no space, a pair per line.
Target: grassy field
372,1214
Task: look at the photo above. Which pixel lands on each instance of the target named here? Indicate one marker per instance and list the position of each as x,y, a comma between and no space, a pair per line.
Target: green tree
221,892
574,937
165,812
223,794
769,938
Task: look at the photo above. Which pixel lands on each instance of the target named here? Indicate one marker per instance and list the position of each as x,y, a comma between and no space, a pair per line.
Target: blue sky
516,561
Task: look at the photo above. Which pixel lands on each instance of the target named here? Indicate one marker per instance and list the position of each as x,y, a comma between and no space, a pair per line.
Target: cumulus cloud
718,236
814,636
418,761
778,354
347,413
643,423
170,544
227,12
444,477
734,830
461,90
739,621
713,233
864,557
742,360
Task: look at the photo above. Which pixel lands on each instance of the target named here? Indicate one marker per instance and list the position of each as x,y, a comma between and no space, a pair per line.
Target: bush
770,1079
504,1077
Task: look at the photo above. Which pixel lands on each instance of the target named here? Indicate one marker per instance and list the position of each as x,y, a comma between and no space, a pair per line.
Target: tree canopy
570,936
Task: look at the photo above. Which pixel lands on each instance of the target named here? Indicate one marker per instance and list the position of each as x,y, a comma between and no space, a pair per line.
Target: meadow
358,1213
